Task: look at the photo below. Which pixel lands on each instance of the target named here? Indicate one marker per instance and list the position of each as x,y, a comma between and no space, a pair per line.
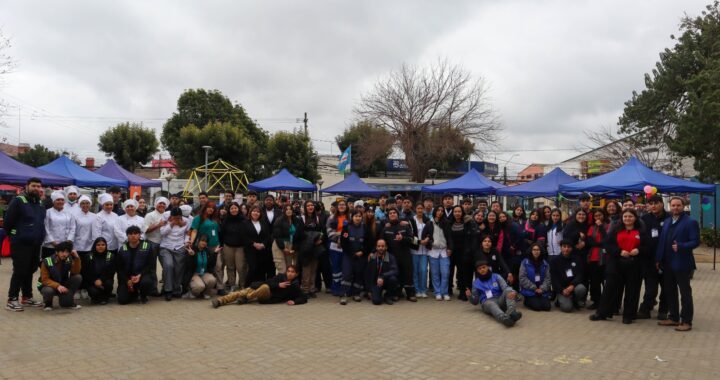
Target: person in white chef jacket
130,218
84,233
72,200
106,221
154,220
59,224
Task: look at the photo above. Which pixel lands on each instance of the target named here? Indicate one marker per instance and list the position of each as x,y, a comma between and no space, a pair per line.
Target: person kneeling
202,265
382,274
99,271
284,287
493,293
60,276
567,278
535,280
134,266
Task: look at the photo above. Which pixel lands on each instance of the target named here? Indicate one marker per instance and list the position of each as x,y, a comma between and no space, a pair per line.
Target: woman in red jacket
625,245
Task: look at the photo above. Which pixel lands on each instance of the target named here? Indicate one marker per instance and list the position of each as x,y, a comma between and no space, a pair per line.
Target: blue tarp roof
113,170
471,182
283,180
16,173
353,185
633,177
545,186
81,177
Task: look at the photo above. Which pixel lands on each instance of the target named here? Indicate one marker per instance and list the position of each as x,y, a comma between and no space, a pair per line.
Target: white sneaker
206,296
423,295
47,308
76,296
84,294
187,295
438,297
446,297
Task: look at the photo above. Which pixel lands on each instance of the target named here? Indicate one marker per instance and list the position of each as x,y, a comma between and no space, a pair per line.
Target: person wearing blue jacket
534,278
494,294
25,224
134,266
680,235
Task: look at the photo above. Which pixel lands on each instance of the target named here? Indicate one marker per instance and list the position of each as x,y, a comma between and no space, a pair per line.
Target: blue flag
345,161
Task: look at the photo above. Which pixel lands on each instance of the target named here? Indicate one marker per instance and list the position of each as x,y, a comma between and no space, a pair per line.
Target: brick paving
323,340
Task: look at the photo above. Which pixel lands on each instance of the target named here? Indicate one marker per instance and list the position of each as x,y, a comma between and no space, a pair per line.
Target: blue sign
486,168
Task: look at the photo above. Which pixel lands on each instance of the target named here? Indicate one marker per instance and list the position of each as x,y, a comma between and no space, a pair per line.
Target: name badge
493,257
488,294
213,232
654,233
573,264
537,278
569,273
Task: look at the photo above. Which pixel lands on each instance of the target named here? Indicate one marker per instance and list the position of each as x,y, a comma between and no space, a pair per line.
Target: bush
710,237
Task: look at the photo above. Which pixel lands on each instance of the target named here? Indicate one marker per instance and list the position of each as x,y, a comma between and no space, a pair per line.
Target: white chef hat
72,189
84,198
57,194
162,200
186,210
130,202
105,198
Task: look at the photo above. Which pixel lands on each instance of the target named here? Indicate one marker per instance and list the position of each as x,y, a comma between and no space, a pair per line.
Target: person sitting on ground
381,274
285,287
134,266
494,294
535,280
98,272
60,276
201,264
567,278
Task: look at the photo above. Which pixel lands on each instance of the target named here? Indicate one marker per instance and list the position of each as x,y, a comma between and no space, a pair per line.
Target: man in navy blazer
680,235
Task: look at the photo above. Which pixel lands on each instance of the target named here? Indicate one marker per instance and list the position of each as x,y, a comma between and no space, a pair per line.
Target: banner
345,161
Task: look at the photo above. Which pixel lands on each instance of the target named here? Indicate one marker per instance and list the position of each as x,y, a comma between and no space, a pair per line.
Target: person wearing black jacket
24,221
355,242
487,252
461,257
567,278
285,232
232,240
98,272
398,235
257,238
595,264
134,259
423,234
626,244
381,274
654,221
285,287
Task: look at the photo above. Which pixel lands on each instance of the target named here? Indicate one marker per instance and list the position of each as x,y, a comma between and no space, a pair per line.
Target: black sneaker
221,292
592,306
215,303
515,316
389,301
596,317
642,314
507,321
168,296
143,299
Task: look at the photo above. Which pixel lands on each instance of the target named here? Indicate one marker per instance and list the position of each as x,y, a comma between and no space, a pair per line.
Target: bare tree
606,145
413,102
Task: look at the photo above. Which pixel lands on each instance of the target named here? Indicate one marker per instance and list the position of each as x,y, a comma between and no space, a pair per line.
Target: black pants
626,278
451,273
142,289
25,262
595,274
537,303
97,294
653,279
66,300
405,272
465,271
673,282
324,272
390,284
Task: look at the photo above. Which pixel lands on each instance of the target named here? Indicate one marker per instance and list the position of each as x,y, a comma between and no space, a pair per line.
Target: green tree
371,146
130,144
200,108
680,105
38,155
293,151
228,142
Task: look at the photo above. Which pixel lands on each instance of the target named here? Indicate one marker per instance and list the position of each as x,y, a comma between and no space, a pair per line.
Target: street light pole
207,149
320,183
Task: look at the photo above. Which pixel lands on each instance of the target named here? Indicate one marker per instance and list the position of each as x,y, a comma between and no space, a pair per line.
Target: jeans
440,272
420,263
567,303
500,307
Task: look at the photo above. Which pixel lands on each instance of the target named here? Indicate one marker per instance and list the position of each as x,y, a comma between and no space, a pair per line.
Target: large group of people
391,248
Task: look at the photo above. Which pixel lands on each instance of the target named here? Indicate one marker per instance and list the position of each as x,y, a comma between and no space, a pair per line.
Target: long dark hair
203,209
100,239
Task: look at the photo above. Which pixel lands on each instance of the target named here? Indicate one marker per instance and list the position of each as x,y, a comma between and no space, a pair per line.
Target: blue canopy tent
81,177
16,173
283,180
113,170
545,186
632,178
353,185
471,182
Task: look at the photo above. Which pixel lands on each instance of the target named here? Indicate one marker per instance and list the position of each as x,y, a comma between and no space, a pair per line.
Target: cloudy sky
555,68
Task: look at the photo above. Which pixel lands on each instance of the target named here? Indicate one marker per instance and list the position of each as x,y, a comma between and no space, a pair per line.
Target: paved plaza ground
323,340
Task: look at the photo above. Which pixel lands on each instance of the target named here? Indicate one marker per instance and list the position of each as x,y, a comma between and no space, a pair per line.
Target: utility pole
305,122
504,175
